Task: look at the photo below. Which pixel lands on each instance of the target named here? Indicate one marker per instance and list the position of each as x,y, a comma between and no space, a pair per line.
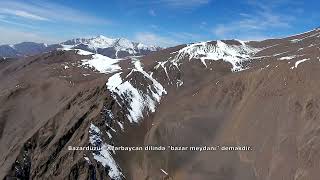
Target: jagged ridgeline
110,47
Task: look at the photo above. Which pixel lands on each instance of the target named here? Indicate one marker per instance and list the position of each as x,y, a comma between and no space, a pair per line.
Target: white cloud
154,39
23,14
18,16
153,26
169,38
176,4
185,3
186,36
254,24
3,20
152,12
44,10
12,36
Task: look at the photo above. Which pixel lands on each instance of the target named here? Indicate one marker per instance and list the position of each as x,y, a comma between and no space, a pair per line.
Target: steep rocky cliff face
220,93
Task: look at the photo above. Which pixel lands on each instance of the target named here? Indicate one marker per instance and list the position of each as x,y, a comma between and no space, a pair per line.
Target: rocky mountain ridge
113,48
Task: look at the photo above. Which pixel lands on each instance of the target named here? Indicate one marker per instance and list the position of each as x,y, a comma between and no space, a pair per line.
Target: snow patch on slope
137,100
84,53
287,57
234,54
114,81
131,95
101,63
162,64
299,62
104,156
157,89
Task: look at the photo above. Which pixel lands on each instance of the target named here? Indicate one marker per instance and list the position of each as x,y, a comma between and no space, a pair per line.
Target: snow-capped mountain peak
101,41
124,43
233,52
102,37
111,47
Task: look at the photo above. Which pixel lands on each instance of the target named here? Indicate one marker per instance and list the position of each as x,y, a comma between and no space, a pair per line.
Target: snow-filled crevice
104,155
137,100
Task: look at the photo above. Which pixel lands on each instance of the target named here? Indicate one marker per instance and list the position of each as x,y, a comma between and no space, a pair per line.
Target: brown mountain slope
275,111
45,107
220,93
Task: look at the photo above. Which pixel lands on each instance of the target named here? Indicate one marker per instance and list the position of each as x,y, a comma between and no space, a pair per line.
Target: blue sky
159,22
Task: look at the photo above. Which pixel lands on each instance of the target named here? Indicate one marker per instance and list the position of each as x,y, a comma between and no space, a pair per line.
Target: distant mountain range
113,48
26,49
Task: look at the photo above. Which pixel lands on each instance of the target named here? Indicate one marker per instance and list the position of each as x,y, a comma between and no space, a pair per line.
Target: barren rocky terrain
260,94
